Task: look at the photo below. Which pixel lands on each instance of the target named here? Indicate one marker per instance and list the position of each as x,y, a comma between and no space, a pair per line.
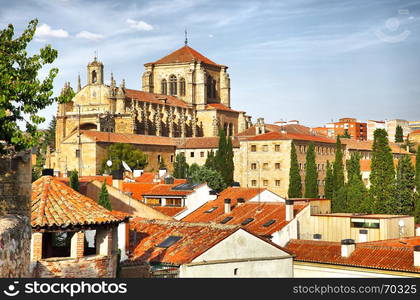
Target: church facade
184,94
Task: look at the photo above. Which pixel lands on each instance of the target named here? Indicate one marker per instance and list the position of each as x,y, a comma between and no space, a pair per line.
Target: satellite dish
109,163
401,223
126,167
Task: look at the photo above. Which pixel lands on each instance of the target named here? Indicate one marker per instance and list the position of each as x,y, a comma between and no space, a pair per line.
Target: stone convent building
184,94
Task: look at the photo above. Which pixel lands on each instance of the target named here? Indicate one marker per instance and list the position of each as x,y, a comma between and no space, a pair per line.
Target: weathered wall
95,266
15,230
15,234
122,202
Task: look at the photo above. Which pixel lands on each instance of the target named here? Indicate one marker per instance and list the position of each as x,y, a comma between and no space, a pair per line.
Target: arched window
182,86
94,77
172,85
163,87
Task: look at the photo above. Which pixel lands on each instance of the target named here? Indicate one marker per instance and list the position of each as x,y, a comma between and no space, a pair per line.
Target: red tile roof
196,239
120,214
87,179
184,55
148,177
166,190
417,131
261,212
219,106
110,137
382,255
203,143
290,136
137,188
367,145
154,98
169,210
54,204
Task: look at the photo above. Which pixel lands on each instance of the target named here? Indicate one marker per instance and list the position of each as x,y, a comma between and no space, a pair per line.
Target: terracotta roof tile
184,55
56,204
290,136
367,145
203,143
169,210
219,106
137,188
167,190
385,255
195,240
261,212
154,98
110,137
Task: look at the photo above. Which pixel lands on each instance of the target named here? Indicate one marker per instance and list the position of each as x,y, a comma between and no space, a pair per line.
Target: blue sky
314,61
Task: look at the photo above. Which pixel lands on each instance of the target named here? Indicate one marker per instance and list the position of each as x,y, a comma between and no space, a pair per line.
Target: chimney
363,235
227,205
162,172
347,247
240,201
289,210
416,253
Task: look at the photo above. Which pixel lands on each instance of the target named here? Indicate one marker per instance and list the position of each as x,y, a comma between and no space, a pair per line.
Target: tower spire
186,38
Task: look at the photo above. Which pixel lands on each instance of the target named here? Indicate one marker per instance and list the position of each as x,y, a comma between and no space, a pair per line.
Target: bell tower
95,72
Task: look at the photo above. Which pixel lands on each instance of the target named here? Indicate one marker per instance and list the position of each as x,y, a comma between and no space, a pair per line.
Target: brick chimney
289,210
227,205
416,253
347,247
363,235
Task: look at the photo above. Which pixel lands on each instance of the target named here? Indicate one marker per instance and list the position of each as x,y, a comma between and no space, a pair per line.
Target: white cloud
139,25
45,31
89,35
211,36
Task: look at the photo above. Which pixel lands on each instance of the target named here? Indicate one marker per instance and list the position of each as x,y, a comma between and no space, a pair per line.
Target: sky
314,61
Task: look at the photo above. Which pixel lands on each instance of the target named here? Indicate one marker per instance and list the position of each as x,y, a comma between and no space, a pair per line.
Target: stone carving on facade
158,121
107,122
145,118
182,119
215,124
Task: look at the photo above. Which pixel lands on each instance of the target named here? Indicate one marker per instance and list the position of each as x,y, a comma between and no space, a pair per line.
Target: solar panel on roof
271,222
169,241
185,186
211,210
247,221
225,220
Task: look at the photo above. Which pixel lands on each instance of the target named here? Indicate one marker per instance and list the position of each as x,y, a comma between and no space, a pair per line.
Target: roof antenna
186,39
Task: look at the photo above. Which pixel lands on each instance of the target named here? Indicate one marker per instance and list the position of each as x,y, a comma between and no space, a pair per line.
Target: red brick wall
95,266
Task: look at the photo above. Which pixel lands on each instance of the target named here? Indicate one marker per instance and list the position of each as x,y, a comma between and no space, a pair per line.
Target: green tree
213,178
210,161
405,198
74,180
295,181
353,166
223,160
118,152
418,169
311,174
329,184
23,94
399,135
346,134
356,192
382,175
338,200
192,169
104,197
180,166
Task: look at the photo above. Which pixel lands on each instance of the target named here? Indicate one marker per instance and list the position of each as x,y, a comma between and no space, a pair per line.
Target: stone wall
95,266
15,230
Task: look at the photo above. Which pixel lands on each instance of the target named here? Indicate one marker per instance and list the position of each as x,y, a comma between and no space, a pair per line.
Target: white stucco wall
310,271
194,200
248,254
122,240
267,196
291,230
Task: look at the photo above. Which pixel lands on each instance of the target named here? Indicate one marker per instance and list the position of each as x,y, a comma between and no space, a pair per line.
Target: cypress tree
104,197
295,181
311,174
356,192
382,175
399,135
74,180
338,200
229,162
220,157
418,170
210,161
329,184
180,166
405,194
